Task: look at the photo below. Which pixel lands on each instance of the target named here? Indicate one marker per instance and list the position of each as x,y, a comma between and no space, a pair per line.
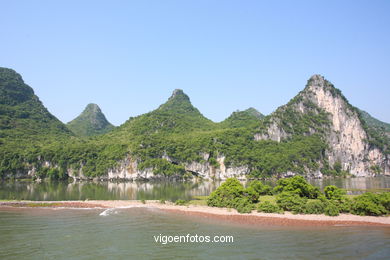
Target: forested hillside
305,136
90,122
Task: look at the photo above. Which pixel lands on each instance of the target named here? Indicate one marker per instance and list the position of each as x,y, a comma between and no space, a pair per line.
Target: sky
128,56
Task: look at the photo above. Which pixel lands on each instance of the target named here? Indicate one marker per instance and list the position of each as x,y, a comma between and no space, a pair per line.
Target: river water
48,233
151,190
129,234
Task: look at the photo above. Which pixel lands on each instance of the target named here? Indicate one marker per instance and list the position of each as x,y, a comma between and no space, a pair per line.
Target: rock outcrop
316,133
128,169
344,132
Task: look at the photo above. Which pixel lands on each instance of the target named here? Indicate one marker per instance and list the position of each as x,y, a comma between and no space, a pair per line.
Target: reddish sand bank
232,215
51,204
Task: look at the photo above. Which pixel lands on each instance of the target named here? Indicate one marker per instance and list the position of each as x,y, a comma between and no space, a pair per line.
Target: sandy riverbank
254,218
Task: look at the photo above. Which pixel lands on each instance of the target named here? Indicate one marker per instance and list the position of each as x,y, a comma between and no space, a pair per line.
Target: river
50,191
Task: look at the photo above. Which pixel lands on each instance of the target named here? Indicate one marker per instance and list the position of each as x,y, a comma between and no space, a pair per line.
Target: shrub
334,193
243,205
252,194
231,194
314,207
268,207
343,204
298,185
369,204
162,201
225,195
143,201
180,202
260,188
313,192
291,202
331,210
384,200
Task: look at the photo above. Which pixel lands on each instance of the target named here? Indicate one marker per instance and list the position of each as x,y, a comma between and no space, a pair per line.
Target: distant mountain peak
179,95
246,118
90,122
319,81
179,102
254,112
22,113
13,90
94,108
177,92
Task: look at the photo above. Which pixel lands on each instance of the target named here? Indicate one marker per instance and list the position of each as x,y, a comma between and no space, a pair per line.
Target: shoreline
231,215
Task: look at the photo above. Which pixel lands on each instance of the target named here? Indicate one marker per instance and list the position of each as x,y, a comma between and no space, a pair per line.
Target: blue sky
128,56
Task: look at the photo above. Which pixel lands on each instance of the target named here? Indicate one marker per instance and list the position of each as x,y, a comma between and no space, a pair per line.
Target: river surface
151,190
129,234
49,233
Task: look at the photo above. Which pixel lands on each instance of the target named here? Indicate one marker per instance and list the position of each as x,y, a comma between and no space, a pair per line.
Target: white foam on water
111,211
108,212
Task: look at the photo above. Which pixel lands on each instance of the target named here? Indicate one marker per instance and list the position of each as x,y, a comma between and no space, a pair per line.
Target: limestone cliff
321,108
128,169
318,132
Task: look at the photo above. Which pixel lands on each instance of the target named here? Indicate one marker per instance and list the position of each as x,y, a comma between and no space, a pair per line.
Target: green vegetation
257,188
290,201
314,207
335,171
378,131
90,122
331,210
227,194
181,202
333,193
163,140
249,118
297,185
22,113
299,124
371,204
243,205
375,123
299,197
268,207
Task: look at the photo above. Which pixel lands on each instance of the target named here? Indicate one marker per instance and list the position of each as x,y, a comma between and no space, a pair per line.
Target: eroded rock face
222,172
274,132
347,138
128,169
345,135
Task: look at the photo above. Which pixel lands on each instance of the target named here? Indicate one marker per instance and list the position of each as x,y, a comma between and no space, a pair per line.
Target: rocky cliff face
344,132
128,169
318,132
319,109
